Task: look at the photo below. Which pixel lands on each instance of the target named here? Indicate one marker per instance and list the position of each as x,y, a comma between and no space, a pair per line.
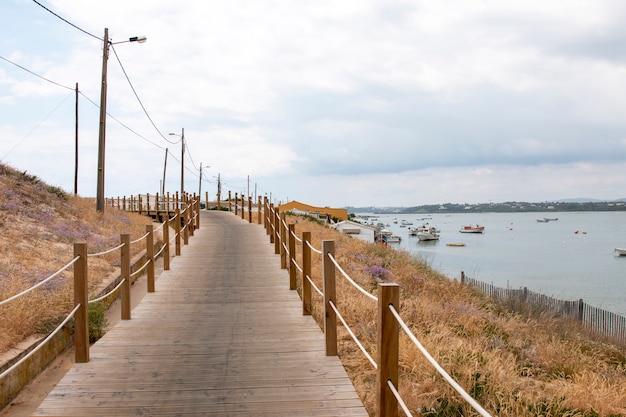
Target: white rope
26,291
90,255
140,270
296,237
356,340
139,239
160,251
354,284
298,266
40,345
313,249
438,367
396,394
117,287
314,286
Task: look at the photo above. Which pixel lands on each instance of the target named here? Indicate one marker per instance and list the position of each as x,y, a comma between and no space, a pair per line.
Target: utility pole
200,183
103,124
76,147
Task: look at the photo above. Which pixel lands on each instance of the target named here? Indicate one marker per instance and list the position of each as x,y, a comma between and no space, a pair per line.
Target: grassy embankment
40,224
514,365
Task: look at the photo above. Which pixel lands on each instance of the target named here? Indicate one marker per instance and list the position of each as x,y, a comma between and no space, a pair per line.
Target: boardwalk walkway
222,336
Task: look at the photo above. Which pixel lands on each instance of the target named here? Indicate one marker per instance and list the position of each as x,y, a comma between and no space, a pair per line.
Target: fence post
191,218
270,223
243,207
284,239
125,269
330,317
258,210
266,213
230,202
277,236
462,277
81,319
166,241
186,225
306,272
581,309
236,202
150,256
198,213
177,230
206,199
292,257
388,348
249,209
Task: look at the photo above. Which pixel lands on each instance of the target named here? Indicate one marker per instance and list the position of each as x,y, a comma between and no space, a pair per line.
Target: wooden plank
221,335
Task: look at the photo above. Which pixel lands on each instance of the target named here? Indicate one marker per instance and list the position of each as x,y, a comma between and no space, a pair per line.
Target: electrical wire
35,74
67,21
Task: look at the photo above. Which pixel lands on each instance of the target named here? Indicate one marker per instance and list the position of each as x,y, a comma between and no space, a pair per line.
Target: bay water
569,258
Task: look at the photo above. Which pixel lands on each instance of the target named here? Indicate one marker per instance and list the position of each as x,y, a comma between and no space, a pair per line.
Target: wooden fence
597,320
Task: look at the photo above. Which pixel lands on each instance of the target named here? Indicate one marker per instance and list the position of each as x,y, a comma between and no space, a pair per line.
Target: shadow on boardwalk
222,335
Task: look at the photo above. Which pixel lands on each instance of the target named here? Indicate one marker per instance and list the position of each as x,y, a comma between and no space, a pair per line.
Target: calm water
517,251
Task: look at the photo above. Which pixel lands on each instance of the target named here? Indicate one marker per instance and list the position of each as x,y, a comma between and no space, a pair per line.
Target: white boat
427,235
621,251
413,231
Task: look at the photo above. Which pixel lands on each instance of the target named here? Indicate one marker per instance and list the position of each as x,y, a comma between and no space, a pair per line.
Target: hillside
40,224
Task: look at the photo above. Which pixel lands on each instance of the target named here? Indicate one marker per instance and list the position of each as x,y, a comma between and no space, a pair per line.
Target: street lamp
182,162
200,184
103,114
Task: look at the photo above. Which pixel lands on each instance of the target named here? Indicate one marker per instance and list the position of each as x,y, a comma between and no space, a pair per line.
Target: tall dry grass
513,365
40,224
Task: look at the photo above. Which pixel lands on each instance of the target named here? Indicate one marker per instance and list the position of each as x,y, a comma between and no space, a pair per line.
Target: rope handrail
356,340
91,255
159,252
396,394
102,297
315,286
298,267
350,280
140,270
41,344
296,237
39,284
139,239
313,249
479,409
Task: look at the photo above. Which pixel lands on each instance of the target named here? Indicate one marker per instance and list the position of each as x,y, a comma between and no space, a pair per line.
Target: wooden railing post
330,317
236,208
259,212
292,256
270,223
185,214
206,199
150,256
243,207
81,319
249,209
177,224
388,349
306,272
166,242
230,202
284,239
125,269
191,217
198,213
277,236
266,214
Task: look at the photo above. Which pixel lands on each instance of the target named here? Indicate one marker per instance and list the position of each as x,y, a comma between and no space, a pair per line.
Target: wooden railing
389,321
184,219
597,320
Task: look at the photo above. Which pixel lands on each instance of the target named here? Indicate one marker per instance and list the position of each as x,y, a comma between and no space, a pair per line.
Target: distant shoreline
508,207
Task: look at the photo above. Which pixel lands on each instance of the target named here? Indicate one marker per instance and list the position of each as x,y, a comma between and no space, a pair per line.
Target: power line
35,74
137,96
66,21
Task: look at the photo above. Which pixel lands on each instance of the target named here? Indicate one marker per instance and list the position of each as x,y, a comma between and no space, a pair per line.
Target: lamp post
182,162
200,184
103,115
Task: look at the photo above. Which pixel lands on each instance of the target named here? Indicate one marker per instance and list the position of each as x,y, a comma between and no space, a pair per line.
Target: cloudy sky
337,103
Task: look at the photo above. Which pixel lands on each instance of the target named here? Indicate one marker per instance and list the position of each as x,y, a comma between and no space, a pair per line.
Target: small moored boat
620,251
472,229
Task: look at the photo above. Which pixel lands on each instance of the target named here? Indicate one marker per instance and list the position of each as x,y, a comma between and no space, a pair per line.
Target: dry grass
512,364
40,225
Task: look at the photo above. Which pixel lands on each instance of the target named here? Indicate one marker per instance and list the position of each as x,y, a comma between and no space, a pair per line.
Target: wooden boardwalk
222,336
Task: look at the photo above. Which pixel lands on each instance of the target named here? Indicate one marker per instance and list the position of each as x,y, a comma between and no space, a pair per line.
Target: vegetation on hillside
40,224
514,365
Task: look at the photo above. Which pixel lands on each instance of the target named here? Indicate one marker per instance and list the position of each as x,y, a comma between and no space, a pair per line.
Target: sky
331,103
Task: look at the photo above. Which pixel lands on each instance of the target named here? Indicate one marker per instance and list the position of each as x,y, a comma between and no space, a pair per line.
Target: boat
455,244
413,231
427,235
546,220
620,251
472,229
